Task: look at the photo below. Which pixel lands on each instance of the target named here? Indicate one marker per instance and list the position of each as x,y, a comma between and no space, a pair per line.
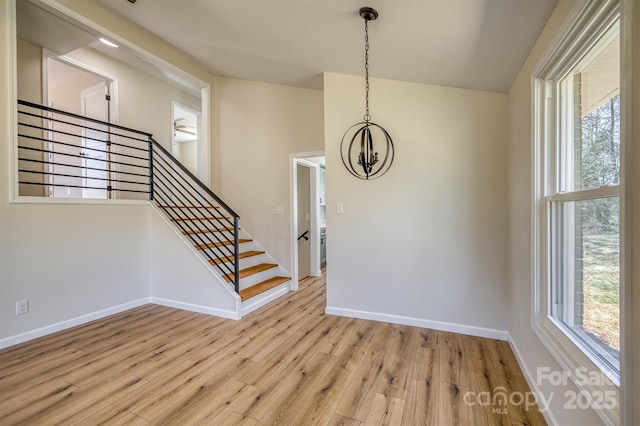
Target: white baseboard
264,298
548,415
223,313
419,322
63,325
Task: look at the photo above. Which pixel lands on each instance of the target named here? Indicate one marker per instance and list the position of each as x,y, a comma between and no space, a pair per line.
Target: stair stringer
182,278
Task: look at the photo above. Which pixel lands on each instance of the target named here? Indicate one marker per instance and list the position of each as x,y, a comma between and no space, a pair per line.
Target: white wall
258,126
530,348
180,278
65,86
427,240
29,65
186,152
48,253
144,102
28,59
70,261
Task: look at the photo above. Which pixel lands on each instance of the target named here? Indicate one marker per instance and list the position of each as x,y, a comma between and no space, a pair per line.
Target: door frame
314,222
112,87
199,142
104,86
113,84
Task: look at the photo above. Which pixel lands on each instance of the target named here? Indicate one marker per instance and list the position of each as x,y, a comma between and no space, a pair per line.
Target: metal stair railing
62,154
182,195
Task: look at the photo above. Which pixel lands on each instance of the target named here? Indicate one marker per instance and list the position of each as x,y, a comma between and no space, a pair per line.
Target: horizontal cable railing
200,214
66,155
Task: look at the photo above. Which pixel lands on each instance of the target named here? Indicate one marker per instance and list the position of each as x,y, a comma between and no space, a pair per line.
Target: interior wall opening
144,85
186,135
308,220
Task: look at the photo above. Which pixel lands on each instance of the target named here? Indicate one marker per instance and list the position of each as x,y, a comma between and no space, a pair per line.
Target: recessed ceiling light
108,43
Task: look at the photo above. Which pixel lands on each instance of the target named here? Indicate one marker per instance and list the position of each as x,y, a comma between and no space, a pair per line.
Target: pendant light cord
367,116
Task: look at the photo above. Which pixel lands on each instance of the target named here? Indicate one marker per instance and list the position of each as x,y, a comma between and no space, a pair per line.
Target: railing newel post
150,140
236,254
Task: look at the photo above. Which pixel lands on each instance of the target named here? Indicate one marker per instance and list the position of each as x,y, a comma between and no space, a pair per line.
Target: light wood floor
287,364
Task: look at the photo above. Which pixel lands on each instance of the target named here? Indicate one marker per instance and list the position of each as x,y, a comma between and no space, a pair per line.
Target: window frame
588,23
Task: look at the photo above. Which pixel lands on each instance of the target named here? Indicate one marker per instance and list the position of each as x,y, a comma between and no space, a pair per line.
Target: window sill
582,369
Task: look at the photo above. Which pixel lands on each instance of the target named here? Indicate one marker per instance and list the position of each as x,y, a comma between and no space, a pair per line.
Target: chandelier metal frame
366,164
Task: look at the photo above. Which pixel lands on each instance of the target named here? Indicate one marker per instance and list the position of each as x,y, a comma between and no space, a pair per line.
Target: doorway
307,219
64,37
78,166
94,149
304,220
185,138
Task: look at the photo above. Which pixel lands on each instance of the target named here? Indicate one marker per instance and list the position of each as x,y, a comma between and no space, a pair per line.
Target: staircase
257,272
212,227
125,163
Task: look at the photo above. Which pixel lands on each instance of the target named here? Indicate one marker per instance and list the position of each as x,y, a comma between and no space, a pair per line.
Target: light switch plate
339,207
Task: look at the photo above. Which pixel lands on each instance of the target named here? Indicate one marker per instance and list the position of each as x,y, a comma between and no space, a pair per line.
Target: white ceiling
61,34
475,44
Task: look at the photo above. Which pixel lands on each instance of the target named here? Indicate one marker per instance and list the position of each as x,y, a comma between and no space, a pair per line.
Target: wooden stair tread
251,270
207,231
220,244
242,255
256,289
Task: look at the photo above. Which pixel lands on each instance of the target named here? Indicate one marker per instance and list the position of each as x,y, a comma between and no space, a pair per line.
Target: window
583,202
578,160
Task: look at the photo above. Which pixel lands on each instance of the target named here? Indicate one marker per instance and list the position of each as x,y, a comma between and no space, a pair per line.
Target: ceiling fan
182,128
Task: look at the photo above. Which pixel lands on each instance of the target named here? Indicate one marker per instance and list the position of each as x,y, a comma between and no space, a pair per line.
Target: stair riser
193,225
215,219
257,278
218,252
194,212
200,241
209,229
185,211
249,305
212,235
252,260
173,213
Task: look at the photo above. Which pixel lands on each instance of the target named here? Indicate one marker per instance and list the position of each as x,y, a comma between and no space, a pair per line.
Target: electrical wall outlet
519,322
22,307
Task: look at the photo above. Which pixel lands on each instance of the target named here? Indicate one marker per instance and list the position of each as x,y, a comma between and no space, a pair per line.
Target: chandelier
361,143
